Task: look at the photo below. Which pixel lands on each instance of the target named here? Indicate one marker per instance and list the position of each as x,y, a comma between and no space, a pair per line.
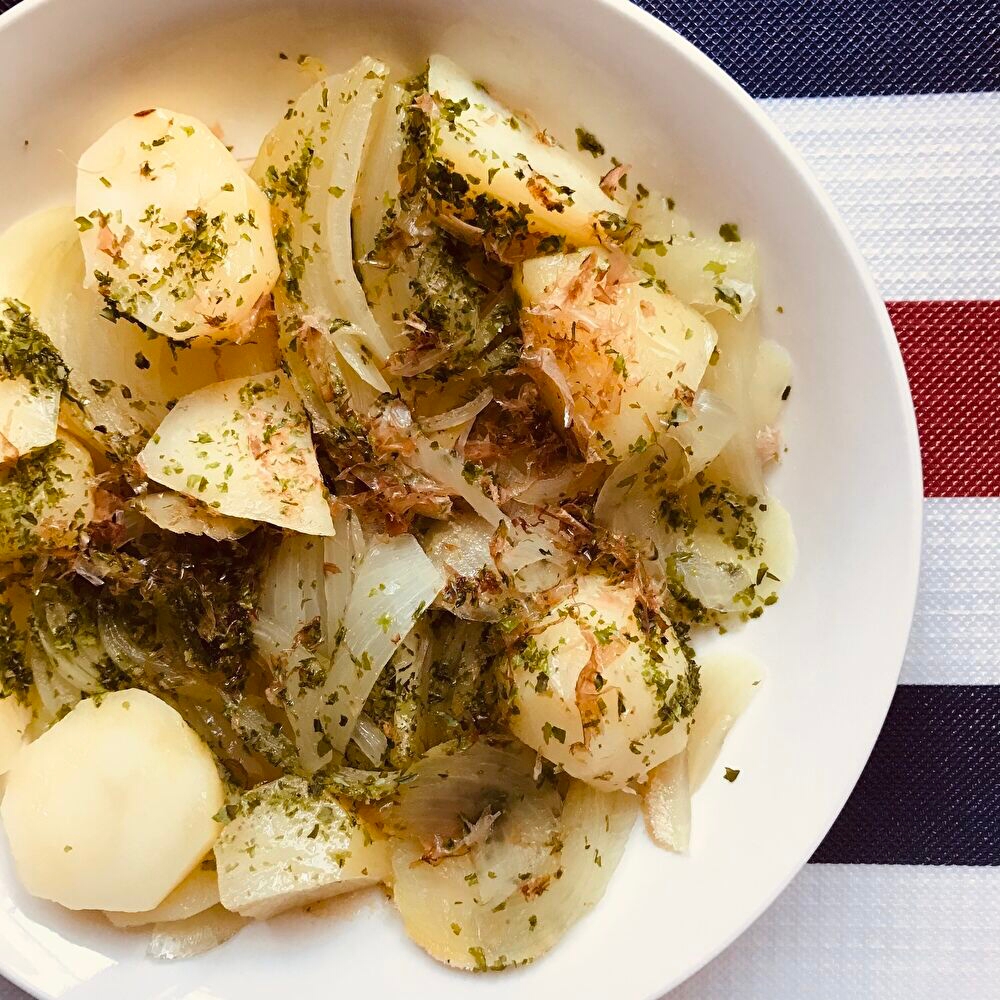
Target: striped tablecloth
896,106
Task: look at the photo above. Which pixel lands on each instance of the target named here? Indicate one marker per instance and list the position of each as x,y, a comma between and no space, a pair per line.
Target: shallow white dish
851,480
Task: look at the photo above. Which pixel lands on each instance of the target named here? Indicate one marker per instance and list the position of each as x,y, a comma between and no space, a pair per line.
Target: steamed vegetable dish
361,510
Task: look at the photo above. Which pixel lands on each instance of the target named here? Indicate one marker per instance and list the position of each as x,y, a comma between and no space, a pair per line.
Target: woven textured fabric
917,181
871,933
955,639
812,48
929,795
952,355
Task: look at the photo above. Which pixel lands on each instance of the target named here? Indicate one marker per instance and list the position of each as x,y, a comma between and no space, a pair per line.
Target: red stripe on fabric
952,356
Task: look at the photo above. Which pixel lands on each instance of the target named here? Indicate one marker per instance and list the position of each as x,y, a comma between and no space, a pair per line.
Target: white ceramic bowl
851,479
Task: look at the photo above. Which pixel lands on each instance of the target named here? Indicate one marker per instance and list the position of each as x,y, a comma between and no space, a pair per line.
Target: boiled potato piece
174,232
184,516
625,351
198,892
597,696
113,806
729,681
244,448
771,384
32,376
501,156
15,717
46,498
121,380
288,848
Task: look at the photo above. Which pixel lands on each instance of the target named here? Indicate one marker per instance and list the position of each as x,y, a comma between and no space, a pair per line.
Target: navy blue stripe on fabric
820,48
930,794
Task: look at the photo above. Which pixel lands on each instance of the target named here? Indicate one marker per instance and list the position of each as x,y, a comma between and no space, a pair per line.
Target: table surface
895,104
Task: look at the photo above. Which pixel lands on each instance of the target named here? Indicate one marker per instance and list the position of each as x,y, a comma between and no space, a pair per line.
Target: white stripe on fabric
956,633
917,179
866,932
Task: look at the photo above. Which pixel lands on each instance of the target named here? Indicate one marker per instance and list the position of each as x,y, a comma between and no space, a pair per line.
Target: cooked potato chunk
244,448
32,376
597,695
113,806
288,848
175,234
625,351
45,499
501,156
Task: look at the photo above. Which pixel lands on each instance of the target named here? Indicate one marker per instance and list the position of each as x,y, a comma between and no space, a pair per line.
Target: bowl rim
903,402
644,22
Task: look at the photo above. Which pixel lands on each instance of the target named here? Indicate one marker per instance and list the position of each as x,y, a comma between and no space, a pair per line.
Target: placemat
895,104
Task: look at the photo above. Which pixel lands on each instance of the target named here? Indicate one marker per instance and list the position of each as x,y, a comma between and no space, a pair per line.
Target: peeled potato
628,352
595,695
175,234
46,498
113,806
288,848
501,156
243,447
198,892
729,681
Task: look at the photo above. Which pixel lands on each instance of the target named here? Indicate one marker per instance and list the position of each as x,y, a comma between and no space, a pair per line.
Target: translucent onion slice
184,516
460,547
439,464
666,803
197,893
732,380
308,166
453,785
729,680
376,209
194,935
288,848
15,717
32,377
395,583
46,498
443,905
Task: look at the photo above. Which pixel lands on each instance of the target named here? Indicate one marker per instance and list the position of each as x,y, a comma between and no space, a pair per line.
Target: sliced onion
195,935
460,414
182,515
709,427
376,206
448,471
411,663
666,803
452,786
460,546
731,379
395,583
729,680
325,132
575,479
370,740
444,909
